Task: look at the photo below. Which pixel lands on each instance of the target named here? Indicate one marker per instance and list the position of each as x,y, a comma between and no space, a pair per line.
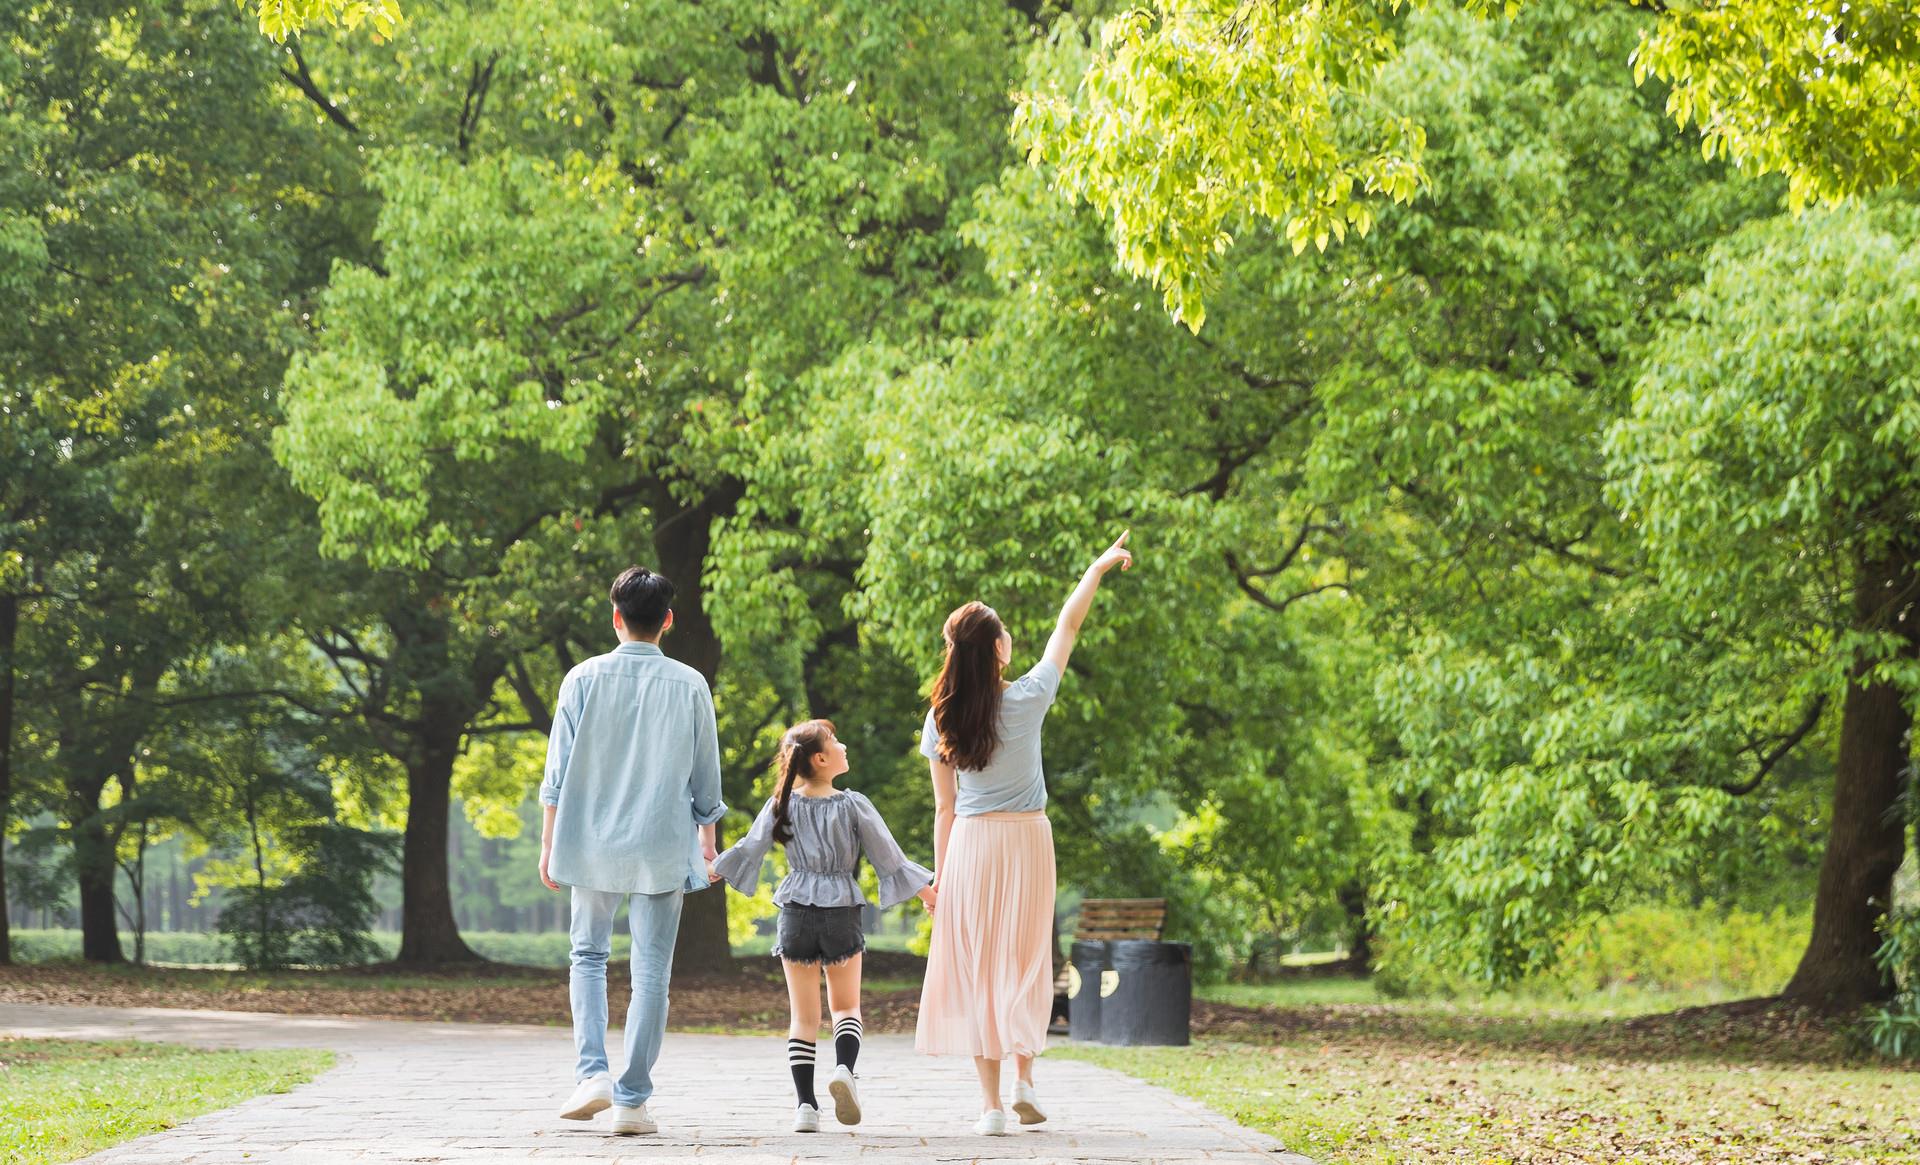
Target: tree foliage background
1544,548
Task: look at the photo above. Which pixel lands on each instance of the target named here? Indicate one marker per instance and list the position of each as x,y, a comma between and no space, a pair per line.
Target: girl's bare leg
803,1000
843,989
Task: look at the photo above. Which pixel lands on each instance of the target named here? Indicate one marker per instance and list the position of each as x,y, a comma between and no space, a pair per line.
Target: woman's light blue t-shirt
1013,781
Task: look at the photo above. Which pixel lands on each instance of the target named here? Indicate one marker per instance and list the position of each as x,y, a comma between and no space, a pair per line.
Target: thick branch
303,81
529,693
475,101
1780,751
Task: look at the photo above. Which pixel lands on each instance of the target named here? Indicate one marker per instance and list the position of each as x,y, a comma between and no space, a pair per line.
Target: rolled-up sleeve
900,877
705,779
740,865
566,722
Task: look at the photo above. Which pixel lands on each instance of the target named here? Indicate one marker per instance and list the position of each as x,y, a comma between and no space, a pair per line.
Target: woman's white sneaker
593,1095
629,1121
846,1096
806,1119
1026,1103
991,1124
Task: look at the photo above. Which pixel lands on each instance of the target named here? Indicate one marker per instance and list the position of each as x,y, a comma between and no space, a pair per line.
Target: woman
989,987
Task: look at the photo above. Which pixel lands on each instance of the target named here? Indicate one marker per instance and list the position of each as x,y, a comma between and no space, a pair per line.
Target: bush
1893,1029
319,917
1686,949
1648,947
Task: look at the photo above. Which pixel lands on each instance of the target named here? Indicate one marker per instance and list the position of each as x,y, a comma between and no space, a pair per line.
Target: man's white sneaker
846,1096
593,1094
1026,1103
991,1124
630,1121
806,1119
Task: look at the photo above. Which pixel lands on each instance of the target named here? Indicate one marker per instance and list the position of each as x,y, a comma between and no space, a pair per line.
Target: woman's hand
1115,555
713,875
927,896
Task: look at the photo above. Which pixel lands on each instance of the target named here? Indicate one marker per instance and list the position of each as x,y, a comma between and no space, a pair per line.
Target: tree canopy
1190,120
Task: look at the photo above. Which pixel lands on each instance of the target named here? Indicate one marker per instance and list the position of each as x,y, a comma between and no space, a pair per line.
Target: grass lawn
64,1099
1511,1090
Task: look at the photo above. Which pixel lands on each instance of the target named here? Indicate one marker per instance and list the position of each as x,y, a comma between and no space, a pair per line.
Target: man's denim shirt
633,769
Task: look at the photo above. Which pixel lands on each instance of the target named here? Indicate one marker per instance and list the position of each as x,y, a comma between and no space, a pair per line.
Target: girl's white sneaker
806,1119
991,1124
1026,1103
846,1095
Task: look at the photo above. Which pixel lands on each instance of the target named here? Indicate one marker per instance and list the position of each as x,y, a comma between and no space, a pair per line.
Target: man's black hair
643,598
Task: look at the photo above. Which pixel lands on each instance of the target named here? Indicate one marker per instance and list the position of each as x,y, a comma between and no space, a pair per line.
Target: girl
824,833
989,988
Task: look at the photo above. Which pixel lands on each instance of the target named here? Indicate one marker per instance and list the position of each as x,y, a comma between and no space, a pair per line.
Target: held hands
1115,555
713,875
927,896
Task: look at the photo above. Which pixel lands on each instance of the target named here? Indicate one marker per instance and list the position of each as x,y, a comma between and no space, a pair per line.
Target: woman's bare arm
1066,630
946,792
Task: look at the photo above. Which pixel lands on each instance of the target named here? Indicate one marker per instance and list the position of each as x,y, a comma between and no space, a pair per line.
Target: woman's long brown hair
798,747
966,696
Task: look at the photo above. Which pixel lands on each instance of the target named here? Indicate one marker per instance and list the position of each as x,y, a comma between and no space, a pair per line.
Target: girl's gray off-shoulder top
829,834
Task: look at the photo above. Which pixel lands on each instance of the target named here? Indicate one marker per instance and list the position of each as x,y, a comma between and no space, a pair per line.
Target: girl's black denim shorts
818,934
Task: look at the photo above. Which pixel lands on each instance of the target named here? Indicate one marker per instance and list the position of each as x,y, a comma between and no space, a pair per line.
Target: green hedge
527,950
1687,949
1729,953
40,946
532,950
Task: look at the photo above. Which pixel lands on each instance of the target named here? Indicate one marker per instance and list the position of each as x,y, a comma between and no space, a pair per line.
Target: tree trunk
9,633
680,544
451,695
1353,900
428,934
93,862
1866,840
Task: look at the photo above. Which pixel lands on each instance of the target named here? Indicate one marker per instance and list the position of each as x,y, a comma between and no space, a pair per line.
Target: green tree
608,255
1390,455
155,232
1768,463
1194,119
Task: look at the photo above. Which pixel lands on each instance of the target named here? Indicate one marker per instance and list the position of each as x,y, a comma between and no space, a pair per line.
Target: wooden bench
1107,920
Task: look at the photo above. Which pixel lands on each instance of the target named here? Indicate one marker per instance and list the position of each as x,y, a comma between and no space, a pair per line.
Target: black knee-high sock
846,1040
800,1060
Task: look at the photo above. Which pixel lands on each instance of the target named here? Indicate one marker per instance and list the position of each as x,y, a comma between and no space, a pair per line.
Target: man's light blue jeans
654,920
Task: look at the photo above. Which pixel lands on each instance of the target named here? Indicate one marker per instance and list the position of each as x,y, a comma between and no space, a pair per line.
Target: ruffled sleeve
900,877
740,865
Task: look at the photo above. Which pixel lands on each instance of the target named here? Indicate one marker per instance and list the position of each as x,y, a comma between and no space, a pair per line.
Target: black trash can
1089,963
1152,997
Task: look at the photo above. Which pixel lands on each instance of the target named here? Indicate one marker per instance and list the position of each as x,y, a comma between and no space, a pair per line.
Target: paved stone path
466,1093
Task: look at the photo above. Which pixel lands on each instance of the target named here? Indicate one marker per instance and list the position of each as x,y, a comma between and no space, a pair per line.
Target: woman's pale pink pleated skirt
989,988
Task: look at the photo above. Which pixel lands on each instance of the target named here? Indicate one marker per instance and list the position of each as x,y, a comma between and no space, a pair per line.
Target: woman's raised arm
1067,628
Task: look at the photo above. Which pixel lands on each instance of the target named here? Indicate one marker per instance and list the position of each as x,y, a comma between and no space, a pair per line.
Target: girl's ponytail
797,750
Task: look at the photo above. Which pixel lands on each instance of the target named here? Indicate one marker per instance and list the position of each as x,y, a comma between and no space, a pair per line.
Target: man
632,792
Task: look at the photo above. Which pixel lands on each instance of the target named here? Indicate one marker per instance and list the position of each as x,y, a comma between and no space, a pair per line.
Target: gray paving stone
461,1094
